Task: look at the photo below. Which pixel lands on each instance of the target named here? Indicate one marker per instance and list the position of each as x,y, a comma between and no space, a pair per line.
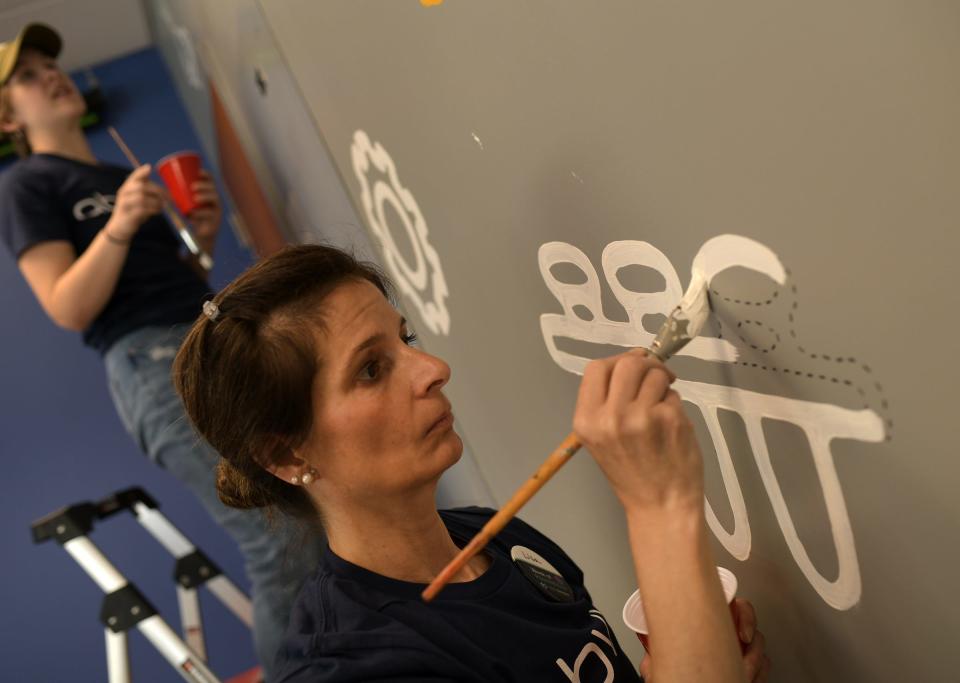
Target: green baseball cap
38,36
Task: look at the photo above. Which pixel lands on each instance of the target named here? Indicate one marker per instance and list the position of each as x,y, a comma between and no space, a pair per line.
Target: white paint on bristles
696,304
715,256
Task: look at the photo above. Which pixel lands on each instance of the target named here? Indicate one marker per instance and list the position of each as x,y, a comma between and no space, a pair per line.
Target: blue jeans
139,372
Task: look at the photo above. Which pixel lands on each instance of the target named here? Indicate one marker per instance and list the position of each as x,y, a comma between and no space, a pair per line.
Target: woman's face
42,96
382,426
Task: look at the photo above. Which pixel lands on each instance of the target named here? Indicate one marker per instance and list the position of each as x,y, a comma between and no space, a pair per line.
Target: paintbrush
203,258
682,325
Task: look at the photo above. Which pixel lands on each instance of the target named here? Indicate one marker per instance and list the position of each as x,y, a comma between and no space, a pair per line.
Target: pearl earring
295,480
307,477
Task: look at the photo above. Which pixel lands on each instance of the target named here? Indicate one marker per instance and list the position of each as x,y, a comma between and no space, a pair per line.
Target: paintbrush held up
683,324
203,258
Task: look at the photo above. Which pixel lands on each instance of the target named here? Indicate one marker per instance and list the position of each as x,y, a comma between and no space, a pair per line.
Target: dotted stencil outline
791,317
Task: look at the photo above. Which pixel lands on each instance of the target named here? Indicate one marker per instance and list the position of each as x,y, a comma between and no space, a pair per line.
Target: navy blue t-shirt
48,197
351,625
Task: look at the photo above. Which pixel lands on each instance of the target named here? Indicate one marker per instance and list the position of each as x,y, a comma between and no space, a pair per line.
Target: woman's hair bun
236,489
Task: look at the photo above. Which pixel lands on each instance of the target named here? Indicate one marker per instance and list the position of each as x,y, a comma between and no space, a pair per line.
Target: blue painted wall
61,442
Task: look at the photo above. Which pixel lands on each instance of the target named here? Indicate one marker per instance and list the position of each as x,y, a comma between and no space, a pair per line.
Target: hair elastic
211,310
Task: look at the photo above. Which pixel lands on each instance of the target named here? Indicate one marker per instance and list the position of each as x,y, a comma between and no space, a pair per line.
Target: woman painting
307,381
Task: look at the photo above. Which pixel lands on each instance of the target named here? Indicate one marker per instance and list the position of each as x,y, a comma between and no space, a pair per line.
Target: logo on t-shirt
593,656
95,206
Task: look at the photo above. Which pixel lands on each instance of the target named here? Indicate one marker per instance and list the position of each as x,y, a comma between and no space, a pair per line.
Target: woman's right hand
633,424
137,199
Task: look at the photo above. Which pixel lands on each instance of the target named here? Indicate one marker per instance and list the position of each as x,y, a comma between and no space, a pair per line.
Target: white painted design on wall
821,422
600,330
421,282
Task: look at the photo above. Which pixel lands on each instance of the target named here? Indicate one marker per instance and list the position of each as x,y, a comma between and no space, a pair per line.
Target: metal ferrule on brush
673,335
685,321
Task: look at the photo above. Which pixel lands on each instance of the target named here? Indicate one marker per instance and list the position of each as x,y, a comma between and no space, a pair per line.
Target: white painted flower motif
421,282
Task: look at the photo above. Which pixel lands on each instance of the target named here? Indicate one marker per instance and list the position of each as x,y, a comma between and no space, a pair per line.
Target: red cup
636,620
179,172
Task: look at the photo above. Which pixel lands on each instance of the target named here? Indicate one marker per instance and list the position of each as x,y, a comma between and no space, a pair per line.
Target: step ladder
124,606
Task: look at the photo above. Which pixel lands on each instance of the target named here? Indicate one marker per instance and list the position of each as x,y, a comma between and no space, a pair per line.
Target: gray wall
470,135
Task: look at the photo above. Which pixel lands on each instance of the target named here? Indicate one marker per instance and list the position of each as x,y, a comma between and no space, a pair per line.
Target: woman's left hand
755,661
205,219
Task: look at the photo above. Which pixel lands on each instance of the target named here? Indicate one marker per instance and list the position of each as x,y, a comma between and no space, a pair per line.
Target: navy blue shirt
47,197
352,625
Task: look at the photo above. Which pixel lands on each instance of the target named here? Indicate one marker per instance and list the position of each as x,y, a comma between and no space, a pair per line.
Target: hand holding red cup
179,172
635,618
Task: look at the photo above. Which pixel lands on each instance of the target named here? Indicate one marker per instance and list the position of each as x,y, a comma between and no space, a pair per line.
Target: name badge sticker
543,575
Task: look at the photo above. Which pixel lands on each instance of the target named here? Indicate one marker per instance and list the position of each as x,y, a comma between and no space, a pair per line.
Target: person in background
93,246
308,382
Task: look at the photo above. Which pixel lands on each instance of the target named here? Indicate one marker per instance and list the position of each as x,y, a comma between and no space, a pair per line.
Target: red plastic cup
179,172
636,620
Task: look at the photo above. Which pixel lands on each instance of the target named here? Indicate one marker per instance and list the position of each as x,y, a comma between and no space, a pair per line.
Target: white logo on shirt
592,648
94,206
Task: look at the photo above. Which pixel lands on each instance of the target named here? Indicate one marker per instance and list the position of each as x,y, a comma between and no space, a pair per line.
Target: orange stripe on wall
242,183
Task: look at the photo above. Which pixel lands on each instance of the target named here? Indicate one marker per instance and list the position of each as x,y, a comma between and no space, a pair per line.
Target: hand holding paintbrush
683,324
203,258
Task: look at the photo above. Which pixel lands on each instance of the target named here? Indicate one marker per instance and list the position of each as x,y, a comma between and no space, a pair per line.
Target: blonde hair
19,138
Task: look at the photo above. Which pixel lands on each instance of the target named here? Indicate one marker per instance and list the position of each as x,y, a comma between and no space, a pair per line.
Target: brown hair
19,138
246,377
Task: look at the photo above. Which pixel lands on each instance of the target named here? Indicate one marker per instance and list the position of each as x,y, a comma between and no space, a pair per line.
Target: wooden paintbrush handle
557,459
127,152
